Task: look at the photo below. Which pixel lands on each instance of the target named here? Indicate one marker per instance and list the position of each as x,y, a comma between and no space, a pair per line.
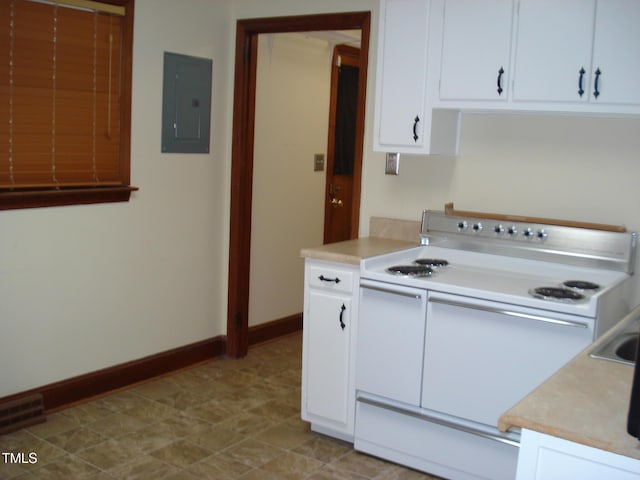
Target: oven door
390,343
482,357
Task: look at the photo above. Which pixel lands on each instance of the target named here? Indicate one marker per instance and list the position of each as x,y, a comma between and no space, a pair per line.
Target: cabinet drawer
331,278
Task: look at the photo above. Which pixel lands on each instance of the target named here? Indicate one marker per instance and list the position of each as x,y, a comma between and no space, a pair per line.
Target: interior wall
560,166
291,125
86,287
556,166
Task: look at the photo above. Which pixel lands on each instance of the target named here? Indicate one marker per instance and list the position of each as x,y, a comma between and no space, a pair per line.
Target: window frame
49,197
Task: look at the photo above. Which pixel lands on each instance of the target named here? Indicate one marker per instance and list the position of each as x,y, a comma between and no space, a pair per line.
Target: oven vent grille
20,413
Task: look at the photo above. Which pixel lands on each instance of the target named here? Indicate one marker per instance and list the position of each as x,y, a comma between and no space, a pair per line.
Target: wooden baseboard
61,394
277,328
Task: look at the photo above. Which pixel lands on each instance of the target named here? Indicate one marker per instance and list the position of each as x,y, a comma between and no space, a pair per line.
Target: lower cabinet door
543,457
327,328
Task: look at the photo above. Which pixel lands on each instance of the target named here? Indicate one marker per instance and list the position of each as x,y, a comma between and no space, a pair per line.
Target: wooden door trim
247,32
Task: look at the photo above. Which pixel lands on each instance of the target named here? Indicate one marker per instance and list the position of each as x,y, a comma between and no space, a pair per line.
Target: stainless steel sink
628,348
622,346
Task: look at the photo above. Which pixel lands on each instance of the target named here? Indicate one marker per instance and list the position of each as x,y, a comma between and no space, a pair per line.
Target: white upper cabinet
403,120
476,50
439,57
616,52
553,54
578,52
402,70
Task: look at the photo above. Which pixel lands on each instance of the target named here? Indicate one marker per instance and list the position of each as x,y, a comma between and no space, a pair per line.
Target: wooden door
343,158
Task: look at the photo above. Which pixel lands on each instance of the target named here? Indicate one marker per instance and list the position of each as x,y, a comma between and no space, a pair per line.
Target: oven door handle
417,296
511,313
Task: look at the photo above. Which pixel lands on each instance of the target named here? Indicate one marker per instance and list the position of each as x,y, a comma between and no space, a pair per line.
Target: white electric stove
455,331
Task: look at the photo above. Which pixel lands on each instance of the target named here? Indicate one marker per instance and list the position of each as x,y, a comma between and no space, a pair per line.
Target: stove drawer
410,438
331,278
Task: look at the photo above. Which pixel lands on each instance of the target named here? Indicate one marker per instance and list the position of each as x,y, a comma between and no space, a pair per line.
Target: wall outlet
392,166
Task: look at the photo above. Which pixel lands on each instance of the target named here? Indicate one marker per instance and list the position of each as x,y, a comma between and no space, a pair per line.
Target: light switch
318,162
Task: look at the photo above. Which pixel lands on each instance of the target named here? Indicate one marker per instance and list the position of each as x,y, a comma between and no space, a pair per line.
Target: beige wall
86,287
563,167
292,114
553,166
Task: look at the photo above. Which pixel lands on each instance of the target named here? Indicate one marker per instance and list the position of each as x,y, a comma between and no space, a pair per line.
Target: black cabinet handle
596,87
325,279
342,309
580,80
415,128
500,73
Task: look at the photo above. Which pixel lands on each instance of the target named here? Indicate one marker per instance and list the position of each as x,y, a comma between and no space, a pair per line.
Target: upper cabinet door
616,53
476,49
402,68
553,51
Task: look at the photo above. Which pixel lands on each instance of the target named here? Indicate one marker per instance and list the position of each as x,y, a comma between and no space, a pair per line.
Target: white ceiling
336,37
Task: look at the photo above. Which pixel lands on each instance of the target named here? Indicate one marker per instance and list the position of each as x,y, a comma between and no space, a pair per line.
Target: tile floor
223,420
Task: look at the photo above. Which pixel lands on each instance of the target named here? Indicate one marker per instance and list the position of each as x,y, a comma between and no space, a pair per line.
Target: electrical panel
186,104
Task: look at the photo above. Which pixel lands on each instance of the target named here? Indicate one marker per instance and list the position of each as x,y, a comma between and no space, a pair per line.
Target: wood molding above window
65,102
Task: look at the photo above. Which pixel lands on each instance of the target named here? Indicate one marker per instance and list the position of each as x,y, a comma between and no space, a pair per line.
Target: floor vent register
21,412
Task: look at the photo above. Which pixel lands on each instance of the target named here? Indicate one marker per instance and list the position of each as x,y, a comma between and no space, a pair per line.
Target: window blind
61,90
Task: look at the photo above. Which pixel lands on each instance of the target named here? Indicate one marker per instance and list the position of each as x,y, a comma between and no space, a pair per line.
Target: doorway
242,148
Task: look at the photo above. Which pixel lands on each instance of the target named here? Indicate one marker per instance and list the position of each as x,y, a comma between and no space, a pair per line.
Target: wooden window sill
12,200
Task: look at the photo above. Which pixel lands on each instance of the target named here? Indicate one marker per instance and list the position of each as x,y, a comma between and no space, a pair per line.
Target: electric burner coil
581,285
411,270
560,294
431,262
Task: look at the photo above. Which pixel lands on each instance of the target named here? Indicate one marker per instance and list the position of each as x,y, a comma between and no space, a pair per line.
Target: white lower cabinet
543,457
329,327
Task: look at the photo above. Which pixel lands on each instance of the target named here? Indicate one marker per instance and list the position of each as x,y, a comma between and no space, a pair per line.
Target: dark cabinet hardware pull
596,88
500,73
325,279
342,309
415,128
580,80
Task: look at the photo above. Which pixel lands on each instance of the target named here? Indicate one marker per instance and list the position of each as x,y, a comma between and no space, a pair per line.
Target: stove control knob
512,230
477,227
462,225
499,229
542,235
528,232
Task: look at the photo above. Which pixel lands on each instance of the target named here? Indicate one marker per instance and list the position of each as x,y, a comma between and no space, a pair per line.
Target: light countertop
586,401
352,251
